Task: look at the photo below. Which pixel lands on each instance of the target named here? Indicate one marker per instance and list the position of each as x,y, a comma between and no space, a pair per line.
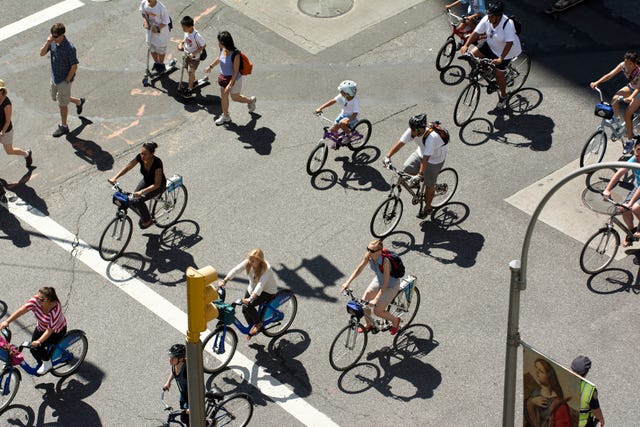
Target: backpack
442,132
246,67
516,23
397,267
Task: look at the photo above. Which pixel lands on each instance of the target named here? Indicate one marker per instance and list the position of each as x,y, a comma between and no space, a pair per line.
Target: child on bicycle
177,360
193,46
348,117
475,11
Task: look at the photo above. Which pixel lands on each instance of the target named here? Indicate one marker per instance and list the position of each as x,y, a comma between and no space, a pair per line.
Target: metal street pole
519,282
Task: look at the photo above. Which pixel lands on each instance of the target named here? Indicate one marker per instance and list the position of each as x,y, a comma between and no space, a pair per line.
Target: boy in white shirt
192,45
348,117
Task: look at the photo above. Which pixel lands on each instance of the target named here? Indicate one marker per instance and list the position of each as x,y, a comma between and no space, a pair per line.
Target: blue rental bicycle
67,357
276,315
355,140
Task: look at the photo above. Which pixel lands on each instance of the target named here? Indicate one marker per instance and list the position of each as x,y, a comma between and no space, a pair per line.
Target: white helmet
349,87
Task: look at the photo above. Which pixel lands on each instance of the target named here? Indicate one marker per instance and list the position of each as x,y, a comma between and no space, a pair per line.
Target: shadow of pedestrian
259,139
28,194
88,150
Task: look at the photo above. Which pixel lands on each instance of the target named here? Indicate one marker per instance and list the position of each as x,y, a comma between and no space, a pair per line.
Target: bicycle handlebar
348,292
613,202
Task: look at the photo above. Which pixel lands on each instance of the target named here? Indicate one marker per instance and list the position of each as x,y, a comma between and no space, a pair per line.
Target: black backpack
397,267
516,23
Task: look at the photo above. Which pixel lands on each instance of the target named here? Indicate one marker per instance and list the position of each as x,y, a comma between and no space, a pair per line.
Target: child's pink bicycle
448,50
354,140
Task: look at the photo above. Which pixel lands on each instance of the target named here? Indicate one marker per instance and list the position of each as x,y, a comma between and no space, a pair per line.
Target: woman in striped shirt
51,325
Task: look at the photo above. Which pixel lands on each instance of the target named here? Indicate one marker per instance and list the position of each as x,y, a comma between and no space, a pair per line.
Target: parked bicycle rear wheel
115,237
316,160
599,250
446,186
386,217
70,353
168,209
446,54
9,384
287,305
216,353
518,71
404,309
347,347
361,136
594,149
235,410
466,104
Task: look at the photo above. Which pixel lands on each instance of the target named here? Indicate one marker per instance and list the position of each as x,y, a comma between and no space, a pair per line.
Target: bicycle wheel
316,160
594,149
446,186
218,349
446,54
386,217
69,354
360,135
466,104
519,68
404,309
168,209
235,410
599,250
115,237
9,384
286,304
347,347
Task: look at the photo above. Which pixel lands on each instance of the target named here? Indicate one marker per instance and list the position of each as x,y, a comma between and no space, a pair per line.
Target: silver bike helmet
349,87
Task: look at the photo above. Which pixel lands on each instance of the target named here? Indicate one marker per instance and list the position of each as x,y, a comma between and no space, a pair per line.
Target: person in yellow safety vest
590,412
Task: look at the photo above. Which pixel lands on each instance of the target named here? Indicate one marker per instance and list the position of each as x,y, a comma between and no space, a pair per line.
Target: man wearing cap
64,64
590,411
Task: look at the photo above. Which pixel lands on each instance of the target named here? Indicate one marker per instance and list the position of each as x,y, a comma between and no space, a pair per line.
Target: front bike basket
121,200
355,309
226,312
604,110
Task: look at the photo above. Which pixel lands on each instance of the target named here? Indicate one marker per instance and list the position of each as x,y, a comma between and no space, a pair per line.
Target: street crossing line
165,310
38,18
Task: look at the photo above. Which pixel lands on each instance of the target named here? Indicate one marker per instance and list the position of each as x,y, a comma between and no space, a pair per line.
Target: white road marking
38,18
165,310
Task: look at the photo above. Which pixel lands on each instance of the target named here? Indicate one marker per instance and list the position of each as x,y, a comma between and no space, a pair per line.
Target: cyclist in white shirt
425,163
503,44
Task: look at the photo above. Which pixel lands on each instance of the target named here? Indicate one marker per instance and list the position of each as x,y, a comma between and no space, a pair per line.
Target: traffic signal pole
200,309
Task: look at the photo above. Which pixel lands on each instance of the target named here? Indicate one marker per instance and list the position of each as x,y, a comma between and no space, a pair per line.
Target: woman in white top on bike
262,286
630,93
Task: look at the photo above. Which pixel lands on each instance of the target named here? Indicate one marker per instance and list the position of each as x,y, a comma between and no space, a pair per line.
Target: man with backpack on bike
427,161
503,44
388,269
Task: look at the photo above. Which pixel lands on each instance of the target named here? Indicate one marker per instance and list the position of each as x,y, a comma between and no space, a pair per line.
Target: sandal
630,237
365,329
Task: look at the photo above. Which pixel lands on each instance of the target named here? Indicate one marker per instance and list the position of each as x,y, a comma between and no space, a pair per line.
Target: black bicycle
234,410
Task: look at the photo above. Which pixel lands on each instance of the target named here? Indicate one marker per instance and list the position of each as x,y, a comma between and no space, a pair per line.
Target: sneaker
502,103
222,120
627,148
45,367
334,145
161,68
252,104
424,212
79,106
28,159
188,93
62,130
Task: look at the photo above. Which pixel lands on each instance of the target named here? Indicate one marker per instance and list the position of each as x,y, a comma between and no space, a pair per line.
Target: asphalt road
248,188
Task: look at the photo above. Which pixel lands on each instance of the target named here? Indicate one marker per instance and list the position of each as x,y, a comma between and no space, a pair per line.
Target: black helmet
495,8
178,350
418,121
581,365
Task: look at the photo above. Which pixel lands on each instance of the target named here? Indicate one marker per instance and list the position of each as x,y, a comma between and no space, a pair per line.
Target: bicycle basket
354,309
604,110
121,200
226,312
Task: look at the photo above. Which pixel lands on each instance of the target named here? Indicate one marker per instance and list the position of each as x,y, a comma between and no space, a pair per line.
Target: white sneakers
252,105
222,120
45,367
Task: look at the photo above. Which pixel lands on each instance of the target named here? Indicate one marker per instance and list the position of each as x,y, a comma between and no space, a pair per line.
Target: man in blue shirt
64,65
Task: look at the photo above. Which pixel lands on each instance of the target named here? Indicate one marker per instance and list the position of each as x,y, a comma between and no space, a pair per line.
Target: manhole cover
325,8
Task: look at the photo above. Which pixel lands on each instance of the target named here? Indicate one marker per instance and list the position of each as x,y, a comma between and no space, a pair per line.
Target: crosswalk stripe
38,18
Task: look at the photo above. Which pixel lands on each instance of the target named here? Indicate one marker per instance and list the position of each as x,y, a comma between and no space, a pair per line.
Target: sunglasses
41,299
372,251
55,36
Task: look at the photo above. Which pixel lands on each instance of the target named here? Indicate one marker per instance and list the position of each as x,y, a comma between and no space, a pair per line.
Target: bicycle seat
214,394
